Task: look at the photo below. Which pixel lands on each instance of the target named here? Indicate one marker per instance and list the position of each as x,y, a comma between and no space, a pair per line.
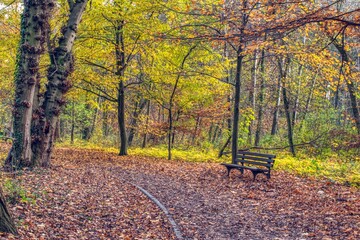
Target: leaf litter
87,195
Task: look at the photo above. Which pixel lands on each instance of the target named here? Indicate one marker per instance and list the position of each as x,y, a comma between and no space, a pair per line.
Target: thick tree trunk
60,68
34,28
261,100
6,222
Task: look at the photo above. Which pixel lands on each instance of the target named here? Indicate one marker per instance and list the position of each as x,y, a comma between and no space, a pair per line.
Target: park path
208,205
89,195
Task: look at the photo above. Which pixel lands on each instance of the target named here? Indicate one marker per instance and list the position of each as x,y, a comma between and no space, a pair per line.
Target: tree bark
274,126
283,69
261,99
252,93
61,66
171,101
133,122
120,72
72,123
6,222
121,119
350,85
34,28
296,102
147,124
236,115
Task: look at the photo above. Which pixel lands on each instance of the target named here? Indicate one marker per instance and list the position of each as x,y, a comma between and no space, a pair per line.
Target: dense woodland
185,75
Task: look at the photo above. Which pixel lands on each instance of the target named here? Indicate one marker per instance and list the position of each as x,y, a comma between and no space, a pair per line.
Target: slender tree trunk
171,101
72,123
34,28
169,133
133,122
308,100
120,72
94,119
105,124
147,124
261,99
236,116
274,126
252,93
296,102
350,85
61,66
121,119
283,68
86,129
6,222
195,130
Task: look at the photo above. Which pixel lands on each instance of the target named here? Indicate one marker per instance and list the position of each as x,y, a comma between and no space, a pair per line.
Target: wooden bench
255,162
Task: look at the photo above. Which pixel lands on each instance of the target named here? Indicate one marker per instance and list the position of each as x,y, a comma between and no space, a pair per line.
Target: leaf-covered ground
88,195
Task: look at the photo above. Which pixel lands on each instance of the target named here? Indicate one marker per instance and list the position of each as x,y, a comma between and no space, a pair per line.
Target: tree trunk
350,85
171,101
252,94
274,126
169,133
86,129
236,116
133,122
120,72
308,101
6,222
61,66
105,124
197,123
147,124
121,119
283,68
34,28
261,99
72,123
296,102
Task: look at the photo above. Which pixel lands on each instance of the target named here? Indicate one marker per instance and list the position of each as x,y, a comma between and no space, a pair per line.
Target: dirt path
205,203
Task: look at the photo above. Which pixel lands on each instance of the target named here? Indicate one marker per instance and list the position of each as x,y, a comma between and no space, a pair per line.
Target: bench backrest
253,158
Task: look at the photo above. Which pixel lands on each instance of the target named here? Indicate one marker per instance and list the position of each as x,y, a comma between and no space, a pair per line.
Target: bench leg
228,170
254,174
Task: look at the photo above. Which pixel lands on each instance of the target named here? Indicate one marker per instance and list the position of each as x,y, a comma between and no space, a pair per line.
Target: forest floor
88,195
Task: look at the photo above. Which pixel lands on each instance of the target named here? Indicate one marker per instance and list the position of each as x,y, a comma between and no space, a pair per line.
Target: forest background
166,79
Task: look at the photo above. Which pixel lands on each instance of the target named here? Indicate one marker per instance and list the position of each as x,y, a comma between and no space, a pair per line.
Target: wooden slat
255,163
269,160
256,154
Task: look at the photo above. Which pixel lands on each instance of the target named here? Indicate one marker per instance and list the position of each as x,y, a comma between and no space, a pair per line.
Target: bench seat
255,162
